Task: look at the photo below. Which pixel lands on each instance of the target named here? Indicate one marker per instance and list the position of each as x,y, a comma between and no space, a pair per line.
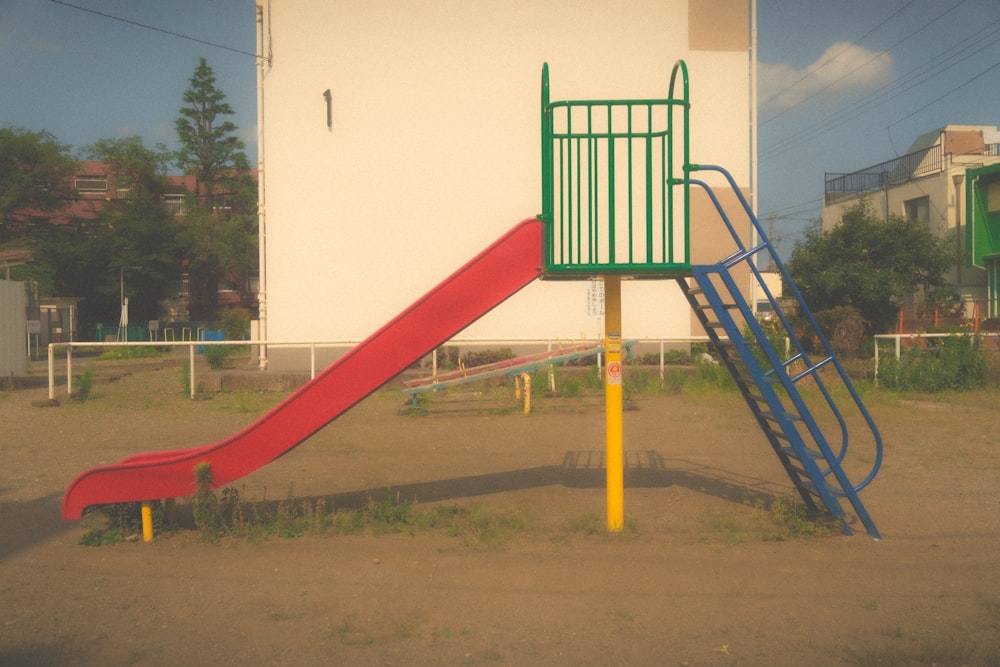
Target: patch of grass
784,520
594,525
775,522
477,526
348,633
923,654
132,352
118,522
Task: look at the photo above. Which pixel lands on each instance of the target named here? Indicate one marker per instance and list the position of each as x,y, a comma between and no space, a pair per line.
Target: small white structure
399,139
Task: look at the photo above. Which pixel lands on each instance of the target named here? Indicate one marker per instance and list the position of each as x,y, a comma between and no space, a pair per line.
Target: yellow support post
147,521
614,453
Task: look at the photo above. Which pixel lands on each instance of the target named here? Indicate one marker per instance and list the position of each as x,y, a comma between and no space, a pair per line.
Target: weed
118,522
476,526
84,385
783,520
675,380
205,506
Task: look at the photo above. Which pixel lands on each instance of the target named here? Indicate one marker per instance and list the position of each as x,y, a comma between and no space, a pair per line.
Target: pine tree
210,150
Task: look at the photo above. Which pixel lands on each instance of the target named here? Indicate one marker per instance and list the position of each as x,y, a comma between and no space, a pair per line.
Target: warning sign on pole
615,372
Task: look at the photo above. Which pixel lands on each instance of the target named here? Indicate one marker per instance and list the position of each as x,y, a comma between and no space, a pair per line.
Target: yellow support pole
614,453
147,521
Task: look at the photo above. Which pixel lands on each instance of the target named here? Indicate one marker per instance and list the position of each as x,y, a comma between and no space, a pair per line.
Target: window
91,184
918,210
174,203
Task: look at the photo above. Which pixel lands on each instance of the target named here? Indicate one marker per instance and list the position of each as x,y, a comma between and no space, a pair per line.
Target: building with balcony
949,179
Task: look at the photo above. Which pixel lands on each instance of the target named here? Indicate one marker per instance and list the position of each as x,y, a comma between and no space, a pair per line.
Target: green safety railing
609,175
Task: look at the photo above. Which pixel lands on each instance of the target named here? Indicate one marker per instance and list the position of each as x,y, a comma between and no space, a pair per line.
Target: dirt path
690,582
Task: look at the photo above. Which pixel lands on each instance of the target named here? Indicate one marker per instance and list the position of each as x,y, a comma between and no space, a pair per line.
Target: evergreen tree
209,151
220,229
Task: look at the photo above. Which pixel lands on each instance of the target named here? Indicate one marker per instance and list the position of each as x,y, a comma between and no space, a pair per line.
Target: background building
940,181
399,139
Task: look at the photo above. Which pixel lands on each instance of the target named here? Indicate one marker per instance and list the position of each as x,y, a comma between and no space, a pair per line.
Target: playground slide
510,263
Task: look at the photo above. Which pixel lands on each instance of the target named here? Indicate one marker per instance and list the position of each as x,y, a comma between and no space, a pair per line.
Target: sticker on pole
614,372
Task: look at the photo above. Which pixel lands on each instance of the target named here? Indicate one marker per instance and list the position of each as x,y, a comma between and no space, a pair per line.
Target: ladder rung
773,417
777,433
832,490
812,368
811,453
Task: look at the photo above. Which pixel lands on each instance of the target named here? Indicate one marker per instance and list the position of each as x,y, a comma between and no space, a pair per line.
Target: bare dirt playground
690,582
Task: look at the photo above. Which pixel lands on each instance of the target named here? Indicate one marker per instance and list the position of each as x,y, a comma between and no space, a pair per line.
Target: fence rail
313,345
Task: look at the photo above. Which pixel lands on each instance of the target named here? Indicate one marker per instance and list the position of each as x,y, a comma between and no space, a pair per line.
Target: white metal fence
663,344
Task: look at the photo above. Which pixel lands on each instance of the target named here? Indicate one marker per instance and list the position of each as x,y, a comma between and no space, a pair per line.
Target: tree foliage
131,242
35,177
869,263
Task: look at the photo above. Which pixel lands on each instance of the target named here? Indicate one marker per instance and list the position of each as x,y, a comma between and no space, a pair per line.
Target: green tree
220,248
210,151
35,178
869,263
131,241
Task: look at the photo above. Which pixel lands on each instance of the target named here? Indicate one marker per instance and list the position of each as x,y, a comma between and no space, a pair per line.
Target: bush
955,363
844,328
217,356
235,324
485,357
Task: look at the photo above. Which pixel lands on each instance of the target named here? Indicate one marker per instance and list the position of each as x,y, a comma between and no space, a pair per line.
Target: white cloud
844,69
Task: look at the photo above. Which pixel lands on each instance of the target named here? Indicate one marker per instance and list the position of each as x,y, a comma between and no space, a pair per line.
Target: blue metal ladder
804,403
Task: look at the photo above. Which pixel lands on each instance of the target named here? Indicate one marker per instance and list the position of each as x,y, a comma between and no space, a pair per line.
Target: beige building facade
397,140
930,184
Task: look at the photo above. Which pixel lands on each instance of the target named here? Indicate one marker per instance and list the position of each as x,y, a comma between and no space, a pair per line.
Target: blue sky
843,84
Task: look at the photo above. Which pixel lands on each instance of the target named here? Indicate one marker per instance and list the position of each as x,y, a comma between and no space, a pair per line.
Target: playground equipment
616,173
516,368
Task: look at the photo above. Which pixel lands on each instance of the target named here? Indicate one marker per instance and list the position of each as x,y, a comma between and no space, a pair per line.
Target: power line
922,75
946,59
833,57
155,29
944,95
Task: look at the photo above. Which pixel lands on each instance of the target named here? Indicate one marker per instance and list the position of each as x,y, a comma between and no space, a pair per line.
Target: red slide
487,280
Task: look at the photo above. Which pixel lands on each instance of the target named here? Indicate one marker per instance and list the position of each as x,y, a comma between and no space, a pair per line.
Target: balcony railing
841,186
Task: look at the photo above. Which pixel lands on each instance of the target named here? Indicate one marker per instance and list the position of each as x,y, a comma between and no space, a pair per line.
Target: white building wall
434,148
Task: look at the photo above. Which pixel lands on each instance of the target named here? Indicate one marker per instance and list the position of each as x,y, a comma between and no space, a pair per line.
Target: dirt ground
688,582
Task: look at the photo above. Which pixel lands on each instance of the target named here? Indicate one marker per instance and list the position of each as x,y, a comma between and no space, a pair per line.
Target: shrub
844,328
484,357
235,324
955,362
218,356
84,385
